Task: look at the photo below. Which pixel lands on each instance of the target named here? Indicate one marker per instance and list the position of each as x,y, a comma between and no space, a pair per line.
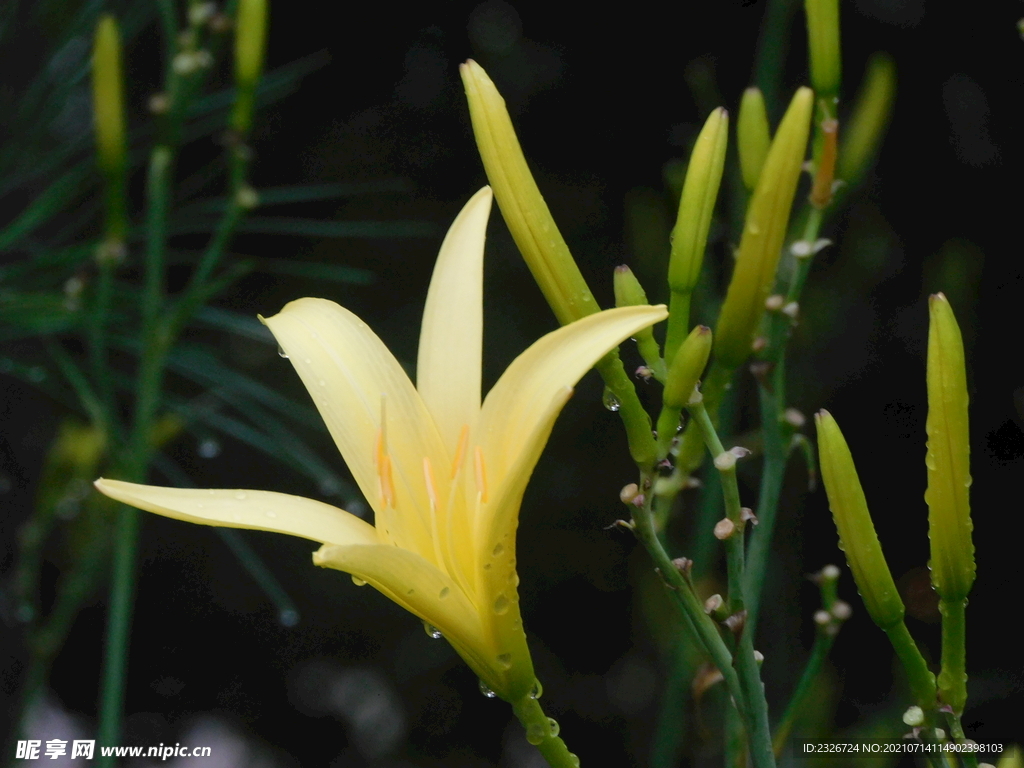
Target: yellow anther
481,473
428,477
460,450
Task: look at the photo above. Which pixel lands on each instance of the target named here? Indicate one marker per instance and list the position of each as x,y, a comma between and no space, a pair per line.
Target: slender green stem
97,337
953,676
542,732
678,323
80,384
634,417
823,642
746,664
119,619
772,473
956,730
922,681
693,612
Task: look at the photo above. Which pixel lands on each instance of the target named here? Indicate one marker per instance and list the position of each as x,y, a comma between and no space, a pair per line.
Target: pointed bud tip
622,269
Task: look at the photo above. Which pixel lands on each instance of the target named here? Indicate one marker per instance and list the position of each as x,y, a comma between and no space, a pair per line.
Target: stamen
460,450
382,460
428,477
481,473
387,486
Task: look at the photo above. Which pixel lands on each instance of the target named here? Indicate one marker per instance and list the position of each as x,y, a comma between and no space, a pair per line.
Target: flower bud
687,367
763,234
629,293
856,532
109,123
520,201
948,457
823,44
250,46
690,234
680,383
753,136
863,131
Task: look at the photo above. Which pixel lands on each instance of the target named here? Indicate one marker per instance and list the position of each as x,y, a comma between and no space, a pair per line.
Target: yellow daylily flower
444,474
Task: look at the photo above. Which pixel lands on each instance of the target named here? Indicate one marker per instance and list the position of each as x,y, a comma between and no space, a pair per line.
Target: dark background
602,101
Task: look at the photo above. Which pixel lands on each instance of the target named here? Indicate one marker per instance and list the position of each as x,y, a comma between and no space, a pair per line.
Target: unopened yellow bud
690,234
697,202
687,367
862,134
629,293
520,200
823,42
856,532
250,46
109,123
753,136
108,96
763,234
948,457
681,382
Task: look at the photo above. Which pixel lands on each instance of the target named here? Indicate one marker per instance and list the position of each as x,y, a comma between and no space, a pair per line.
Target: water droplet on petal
432,632
535,733
486,691
443,593
610,401
241,495
282,353
322,383
505,660
498,549
308,361
575,760
501,604
537,691
270,513
358,582
554,726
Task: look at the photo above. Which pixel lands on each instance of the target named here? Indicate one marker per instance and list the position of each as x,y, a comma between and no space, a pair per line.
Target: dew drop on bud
358,582
537,690
484,689
432,632
535,733
553,724
501,604
443,593
610,401
282,353
505,660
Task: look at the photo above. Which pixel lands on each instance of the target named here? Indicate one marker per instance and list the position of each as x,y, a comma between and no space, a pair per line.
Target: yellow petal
420,588
451,339
354,380
519,411
257,510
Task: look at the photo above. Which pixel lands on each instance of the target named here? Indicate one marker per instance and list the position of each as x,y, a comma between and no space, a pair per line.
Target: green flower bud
629,293
683,374
690,234
250,47
697,202
763,234
687,367
856,532
520,201
948,457
823,42
753,136
109,123
108,96
862,133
